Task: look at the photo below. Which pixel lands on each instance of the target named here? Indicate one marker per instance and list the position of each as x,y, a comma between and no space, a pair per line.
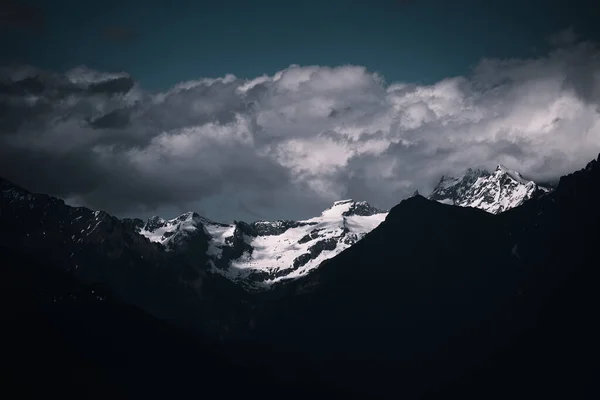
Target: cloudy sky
275,111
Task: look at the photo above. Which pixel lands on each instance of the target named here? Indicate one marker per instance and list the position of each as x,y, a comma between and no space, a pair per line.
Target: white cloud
315,131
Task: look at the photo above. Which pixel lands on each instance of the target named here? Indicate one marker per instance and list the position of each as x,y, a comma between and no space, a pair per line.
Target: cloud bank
303,137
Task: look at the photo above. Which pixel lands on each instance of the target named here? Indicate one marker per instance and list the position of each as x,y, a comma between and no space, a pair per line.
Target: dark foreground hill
441,299
62,337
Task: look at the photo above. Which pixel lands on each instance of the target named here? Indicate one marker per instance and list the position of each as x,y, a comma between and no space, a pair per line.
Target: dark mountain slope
80,293
437,302
392,307
65,338
62,336
437,292
100,249
555,237
553,357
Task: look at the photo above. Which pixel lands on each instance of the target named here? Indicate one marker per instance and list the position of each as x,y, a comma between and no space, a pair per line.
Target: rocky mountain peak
188,216
361,208
495,192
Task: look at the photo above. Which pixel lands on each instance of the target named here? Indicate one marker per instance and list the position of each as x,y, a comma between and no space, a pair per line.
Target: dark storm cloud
202,103
116,119
303,137
336,113
15,116
151,182
35,100
582,76
106,145
243,207
112,86
29,85
73,172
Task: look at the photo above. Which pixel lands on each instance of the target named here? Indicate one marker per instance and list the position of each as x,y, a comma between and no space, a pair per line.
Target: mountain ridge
260,254
259,270
424,304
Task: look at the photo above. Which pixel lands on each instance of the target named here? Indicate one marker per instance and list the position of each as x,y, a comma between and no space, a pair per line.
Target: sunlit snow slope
264,252
292,252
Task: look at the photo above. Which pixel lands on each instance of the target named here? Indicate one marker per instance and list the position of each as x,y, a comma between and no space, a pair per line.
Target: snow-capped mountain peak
290,249
514,175
265,252
493,192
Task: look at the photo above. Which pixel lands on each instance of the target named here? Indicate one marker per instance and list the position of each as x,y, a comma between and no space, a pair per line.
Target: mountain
91,307
441,301
436,301
262,253
101,249
493,192
79,340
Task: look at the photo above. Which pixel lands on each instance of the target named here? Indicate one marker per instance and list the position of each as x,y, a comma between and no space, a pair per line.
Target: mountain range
262,253
491,299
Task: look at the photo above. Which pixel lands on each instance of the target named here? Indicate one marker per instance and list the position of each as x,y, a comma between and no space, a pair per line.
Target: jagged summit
501,169
188,215
493,192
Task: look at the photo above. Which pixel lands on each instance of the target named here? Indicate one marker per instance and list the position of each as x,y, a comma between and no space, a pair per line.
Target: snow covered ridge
262,253
493,192
265,252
